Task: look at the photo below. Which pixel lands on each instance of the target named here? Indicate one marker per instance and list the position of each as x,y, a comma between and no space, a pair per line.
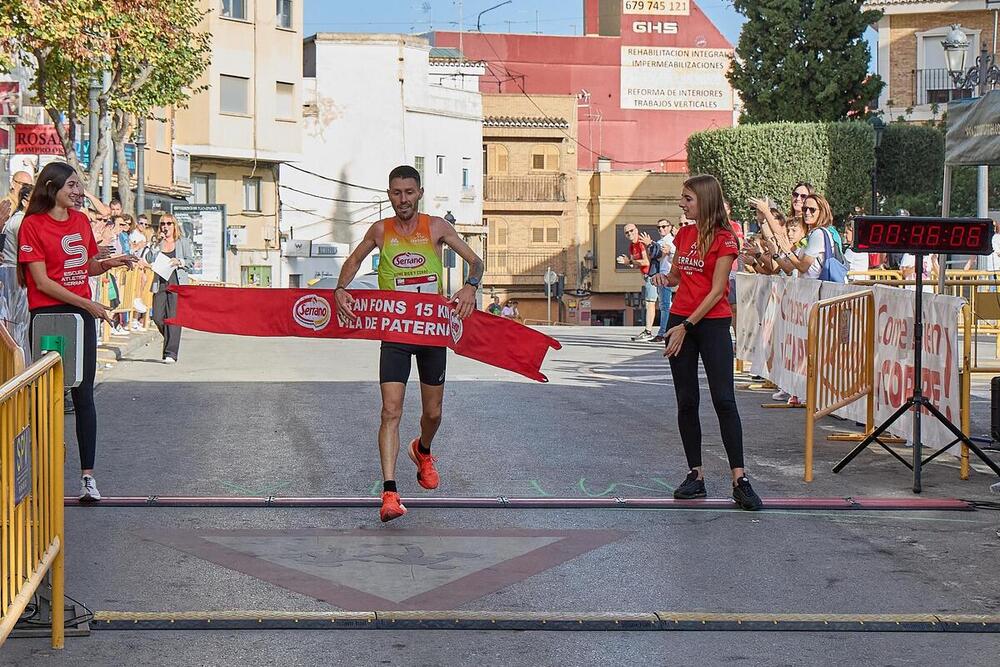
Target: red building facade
647,74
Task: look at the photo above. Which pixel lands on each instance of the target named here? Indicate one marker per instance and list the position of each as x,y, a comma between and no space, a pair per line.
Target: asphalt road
260,417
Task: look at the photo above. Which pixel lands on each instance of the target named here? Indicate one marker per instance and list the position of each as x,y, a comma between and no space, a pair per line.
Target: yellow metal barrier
841,361
32,540
11,356
132,284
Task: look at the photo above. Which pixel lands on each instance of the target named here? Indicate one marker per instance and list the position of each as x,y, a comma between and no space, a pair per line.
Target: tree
162,56
804,60
151,48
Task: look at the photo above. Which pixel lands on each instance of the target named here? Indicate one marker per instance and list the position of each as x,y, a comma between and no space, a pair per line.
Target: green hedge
911,166
769,158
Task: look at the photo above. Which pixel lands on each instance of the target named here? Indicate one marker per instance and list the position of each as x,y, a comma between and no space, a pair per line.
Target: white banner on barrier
773,349
791,328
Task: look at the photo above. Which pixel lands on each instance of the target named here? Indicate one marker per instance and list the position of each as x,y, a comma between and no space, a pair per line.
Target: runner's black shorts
394,363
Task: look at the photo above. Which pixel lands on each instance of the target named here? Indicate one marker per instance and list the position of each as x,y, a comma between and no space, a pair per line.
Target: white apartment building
238,130
370,103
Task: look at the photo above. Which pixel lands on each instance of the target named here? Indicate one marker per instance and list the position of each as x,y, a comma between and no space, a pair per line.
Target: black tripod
917,402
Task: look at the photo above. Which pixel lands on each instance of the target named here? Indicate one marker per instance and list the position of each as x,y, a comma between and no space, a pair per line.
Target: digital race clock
965,236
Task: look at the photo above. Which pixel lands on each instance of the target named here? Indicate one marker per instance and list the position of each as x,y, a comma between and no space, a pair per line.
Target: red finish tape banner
398,317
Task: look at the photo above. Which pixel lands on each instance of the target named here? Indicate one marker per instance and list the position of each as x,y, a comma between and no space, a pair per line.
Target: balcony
934,86
540,188
522,266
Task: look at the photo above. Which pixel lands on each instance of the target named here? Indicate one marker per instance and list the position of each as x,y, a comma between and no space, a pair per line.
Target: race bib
423,284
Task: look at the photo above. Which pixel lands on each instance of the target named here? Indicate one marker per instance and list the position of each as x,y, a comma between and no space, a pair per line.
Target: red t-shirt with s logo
65,246
696,271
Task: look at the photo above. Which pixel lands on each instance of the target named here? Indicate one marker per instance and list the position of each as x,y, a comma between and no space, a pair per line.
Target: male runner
420,234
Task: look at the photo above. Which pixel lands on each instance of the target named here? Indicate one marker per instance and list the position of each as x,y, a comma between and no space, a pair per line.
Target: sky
561,17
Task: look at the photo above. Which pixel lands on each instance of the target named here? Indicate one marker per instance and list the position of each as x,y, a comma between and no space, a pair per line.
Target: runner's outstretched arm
344,300
465,298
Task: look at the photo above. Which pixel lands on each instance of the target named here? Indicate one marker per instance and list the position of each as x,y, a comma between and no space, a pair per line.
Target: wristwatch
687,325
472,280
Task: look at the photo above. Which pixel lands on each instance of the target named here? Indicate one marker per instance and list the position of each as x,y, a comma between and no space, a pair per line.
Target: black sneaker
691,488
643,335
745,496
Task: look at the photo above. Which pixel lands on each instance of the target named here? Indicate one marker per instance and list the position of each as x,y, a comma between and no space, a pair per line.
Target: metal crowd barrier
841,361
981,289
132,284
32,542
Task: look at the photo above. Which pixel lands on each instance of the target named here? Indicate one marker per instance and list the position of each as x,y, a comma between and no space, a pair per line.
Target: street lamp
982,74
878,125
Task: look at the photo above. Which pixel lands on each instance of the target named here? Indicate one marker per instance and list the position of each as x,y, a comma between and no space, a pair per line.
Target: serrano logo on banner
312,312
456,327
408,260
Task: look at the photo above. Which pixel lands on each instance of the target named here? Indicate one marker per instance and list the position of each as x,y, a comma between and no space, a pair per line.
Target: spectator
494,308
180,252
801,190
57,253
638,257
907,266
856,261
115,207
664,293
507,310
807,262
991,262
12,213
15,315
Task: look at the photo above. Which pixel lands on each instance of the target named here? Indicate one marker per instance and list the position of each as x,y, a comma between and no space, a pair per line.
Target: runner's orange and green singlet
410,263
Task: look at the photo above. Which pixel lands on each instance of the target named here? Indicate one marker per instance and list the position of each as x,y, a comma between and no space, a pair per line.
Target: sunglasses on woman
810,209
799,195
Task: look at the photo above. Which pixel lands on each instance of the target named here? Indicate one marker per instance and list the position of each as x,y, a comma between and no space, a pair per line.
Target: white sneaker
135,326
780,395
88,490
119,331
169,360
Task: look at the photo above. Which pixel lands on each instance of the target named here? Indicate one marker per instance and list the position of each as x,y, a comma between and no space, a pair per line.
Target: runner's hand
464,301
345,304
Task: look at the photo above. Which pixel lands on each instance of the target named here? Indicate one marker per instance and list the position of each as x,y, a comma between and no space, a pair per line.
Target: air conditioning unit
341,250
296,248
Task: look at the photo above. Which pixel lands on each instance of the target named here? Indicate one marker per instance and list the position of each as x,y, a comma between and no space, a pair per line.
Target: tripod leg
882,428
939,452
964,438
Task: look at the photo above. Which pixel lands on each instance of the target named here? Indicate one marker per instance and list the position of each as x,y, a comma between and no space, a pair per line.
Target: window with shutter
496,159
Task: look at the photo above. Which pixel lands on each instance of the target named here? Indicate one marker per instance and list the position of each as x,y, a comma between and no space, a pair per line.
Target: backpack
834,267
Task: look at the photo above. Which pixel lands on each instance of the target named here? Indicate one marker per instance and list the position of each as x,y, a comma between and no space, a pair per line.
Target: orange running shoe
427,475
391,507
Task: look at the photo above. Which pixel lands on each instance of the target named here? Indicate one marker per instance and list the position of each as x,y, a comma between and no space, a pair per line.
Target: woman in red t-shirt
700,317
57,251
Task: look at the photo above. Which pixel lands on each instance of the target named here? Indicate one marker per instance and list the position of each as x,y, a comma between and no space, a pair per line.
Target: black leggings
710,339
83,394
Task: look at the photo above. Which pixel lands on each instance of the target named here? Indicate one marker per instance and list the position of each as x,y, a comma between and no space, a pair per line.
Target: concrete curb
121,346
544,621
